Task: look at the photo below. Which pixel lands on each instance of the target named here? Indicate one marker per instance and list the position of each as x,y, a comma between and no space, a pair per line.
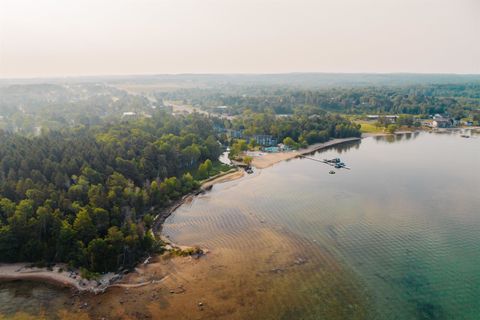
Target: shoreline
205,185
60,275
266,160
73,280
171,288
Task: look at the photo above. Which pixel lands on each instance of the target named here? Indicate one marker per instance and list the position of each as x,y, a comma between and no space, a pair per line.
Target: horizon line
56,77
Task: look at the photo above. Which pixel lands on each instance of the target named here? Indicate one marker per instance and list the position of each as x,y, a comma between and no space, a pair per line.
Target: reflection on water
397,137
344,147
404,220
395,237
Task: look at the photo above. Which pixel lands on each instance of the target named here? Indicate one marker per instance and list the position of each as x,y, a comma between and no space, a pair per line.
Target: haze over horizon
50,38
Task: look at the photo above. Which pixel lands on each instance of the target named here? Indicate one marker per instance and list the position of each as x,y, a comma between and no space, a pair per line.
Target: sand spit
58,275
265,160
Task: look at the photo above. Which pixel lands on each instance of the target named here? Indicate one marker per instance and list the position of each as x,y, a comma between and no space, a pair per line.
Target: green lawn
368,127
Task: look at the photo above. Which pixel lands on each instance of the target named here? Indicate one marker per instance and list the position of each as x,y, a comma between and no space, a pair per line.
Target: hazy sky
91,37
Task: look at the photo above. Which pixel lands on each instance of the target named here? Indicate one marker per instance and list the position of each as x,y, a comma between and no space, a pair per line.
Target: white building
442,123
129,114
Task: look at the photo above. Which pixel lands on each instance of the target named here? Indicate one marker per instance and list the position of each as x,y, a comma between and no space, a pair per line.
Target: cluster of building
437,121
264,140
442,121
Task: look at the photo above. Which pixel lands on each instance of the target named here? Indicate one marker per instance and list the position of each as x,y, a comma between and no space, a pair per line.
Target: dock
327,162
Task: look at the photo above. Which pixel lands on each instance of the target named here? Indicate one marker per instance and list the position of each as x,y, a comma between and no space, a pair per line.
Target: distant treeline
456,99
29,108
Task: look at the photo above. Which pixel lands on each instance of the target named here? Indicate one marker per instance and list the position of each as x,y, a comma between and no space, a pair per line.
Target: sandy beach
227,283
58,275
266,160
175,287
221,178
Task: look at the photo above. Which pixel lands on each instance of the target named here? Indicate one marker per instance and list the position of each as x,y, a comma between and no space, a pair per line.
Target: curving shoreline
61,277
207,184
266,160
59,274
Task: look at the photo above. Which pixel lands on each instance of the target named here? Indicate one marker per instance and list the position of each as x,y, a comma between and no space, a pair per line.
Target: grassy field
369,127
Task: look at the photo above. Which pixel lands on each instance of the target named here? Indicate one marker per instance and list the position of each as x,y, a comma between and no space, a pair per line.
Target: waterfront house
442,122
264,140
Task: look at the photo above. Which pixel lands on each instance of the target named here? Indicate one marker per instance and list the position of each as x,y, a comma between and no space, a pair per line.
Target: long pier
322,161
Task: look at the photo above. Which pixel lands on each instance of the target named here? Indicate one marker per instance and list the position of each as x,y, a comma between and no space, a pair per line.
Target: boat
334,160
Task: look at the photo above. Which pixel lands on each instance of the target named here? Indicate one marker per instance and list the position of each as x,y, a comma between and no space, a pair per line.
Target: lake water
31,300
395,237
405,221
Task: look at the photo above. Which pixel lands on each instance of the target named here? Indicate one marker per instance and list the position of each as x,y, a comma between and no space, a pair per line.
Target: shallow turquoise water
405,219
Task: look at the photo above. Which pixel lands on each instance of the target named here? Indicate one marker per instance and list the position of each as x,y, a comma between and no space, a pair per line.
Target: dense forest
80,184
459,100
85,196
306,126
